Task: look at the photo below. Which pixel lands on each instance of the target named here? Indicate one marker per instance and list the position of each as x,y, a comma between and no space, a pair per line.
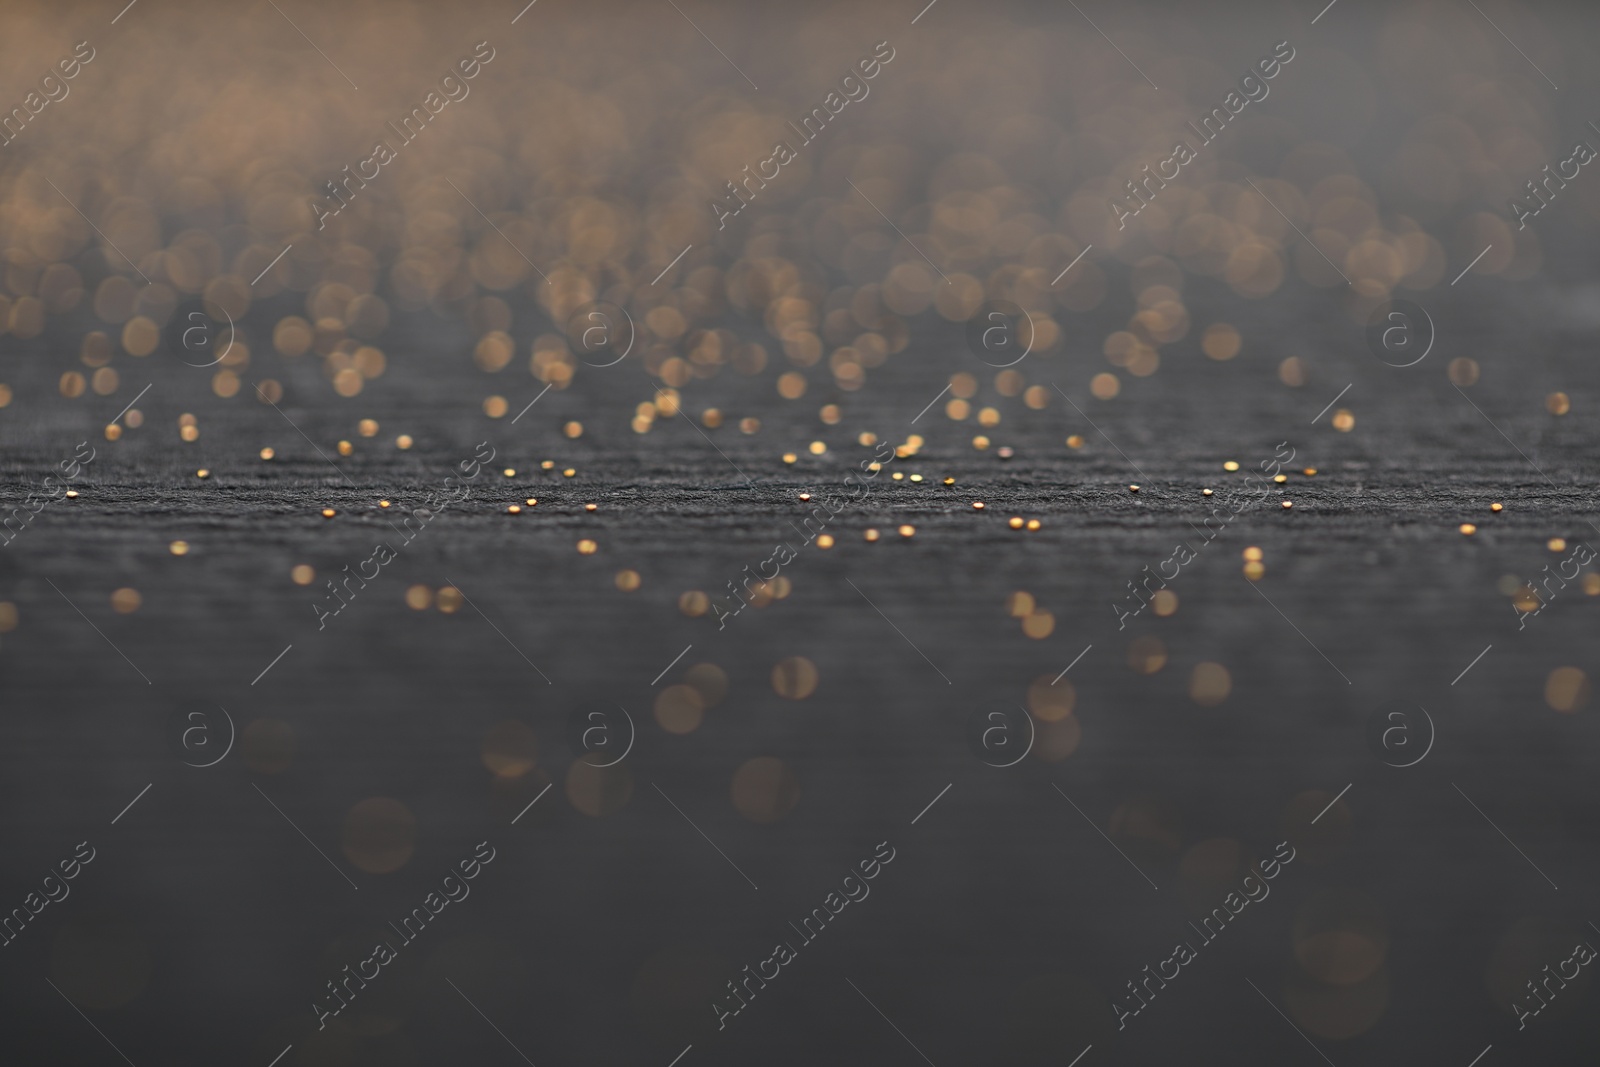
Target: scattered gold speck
346,448
805,497
1280,478
1309,472
302,574
1015,522
1287,504
586,547
867,438
871,535
1205,492
898,476
694,603
573,429
418,597
514,509
1468,529
825,541
531,501
179,548
1497,507
916,477
949,481
1254,571
569,472
495,406
113,432
977,505
367,427
1133,488
126,601
189,433
790,457
328,513
403,441
1591,584
1252,554
980,442
1034,524
383,503
1555,403
8,616
1164,603
1039,625
1343,420
1019,605
591,507
908,530
449,599
711,418
1557,544
267,453
547,465
1231,465
627,581
72,494
1075,441
202,473
816,448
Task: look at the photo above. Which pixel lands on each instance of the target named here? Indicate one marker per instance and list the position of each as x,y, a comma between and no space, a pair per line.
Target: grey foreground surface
1017,907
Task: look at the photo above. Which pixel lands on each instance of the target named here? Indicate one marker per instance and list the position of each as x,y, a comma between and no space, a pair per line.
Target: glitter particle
328,513
179,548
1468,529
908,530
403,441
587,547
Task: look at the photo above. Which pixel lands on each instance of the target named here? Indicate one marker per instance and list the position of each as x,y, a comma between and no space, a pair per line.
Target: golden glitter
1019,605
794,677
5,398
1557,544
267,453
449,599
187,419
1496,507
830,414
495,406
916,477
1231,465
547,465
383,503
1147,655
1555,403
1462,371
134,418
1034,524
179,548
1254,571
367,427
749,425
513,509
587,547
1039,625
977,505
1591,584
1468,529
1309,472
1164,603
202,473
980,442
1287,504
573,429
816,448
790,457
509,472
531,501
1220,341
791,386
898,476
1104,386
1343,420
1205,492
949,481
1280,478
189,433
269,392
989,417
419,597
866,438
1006,452
302,574
1075,441
403,441
825,541
627,581
346,448
871,535
908,530
805,496
72,494
711,418
8,616
1252,554
1209,684
569,472
113,432
1015,522
1567,689
126,601
591,507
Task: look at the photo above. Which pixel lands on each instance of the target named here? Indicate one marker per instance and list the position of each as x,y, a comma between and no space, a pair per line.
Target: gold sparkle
1034,524
1252,554
1287,504
113,432
825,541
202,473
1557,544
1468,529
514,509
1015,522
980,442
790,458
367,427
179,548
302,574
1075,441
403,441
816,448
949,481
383,503
267,453
628,580
1254,571
977,505
1231,465
908,530
547,465
126,601
569,472
870,535
328,513
587,547
346,448
1205,492
1497,507
531,501
1343,420
72,494
419,597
